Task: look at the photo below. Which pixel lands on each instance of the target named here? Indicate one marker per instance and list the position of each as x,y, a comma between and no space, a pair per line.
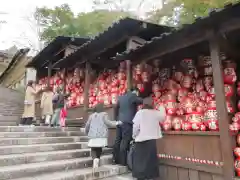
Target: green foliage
61,21
178,12
193,9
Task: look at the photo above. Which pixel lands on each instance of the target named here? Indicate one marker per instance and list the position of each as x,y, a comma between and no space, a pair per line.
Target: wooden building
14,76
98,49
183,155
189,155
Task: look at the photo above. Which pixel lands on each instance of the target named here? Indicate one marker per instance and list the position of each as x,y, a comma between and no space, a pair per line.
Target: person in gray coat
125,111
97,130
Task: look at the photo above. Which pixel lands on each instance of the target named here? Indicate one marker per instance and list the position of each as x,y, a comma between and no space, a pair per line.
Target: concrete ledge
22,171
18,149
39,134
82,174
15,159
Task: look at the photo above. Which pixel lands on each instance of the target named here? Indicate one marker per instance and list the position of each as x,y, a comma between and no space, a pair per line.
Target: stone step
81,174
9,118
6,123
38,129
120,177
39,134
14,159
18,149
42,140
25,170
75,123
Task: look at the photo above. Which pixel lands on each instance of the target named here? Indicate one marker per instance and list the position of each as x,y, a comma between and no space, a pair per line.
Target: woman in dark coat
146,130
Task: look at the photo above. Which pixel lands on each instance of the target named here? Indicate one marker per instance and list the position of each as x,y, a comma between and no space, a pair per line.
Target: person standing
97,130
29,104
125,111
146,130
58,104
47,105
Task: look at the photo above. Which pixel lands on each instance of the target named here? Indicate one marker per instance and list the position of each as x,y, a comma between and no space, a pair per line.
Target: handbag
130,156
27,102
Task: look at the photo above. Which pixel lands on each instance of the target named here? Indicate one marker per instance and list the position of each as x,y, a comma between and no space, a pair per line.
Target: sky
19,28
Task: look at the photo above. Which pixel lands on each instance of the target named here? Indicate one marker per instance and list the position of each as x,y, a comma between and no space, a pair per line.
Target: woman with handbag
146,130
29,104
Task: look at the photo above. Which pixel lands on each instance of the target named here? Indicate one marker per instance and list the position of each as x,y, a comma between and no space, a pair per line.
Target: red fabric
63,115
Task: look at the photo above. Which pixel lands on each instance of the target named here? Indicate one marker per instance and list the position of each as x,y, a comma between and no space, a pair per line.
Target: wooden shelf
200,133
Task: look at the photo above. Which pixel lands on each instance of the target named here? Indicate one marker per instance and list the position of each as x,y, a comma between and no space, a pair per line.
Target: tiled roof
55,46
123,28
214,18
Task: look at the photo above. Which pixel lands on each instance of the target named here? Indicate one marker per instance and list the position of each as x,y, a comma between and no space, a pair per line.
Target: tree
62,21
193,9
178,12
119,5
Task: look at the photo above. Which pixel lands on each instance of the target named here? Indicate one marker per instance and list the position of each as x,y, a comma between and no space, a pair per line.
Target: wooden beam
49,72
227,47
129,74
174,43
170,44
230,25
111,45
223,118
86,86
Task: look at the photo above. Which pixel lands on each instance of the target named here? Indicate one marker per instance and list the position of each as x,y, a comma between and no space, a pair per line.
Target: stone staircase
40,153
50,153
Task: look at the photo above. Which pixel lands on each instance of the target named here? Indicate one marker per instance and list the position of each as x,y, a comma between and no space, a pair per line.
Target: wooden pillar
129,74
64,80
49,72
86,85
225,137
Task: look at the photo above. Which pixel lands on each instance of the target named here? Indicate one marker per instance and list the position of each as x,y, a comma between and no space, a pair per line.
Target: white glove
118,123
